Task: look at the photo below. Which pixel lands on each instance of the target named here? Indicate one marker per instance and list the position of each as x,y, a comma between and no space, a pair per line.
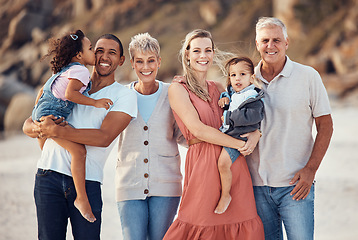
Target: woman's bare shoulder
176,88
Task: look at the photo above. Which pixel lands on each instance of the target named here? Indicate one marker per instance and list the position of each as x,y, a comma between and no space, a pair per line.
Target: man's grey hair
264,22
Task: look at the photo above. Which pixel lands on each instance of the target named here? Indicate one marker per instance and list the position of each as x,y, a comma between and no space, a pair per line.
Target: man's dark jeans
54,197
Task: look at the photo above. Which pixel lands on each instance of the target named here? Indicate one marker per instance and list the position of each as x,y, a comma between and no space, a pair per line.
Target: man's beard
104,74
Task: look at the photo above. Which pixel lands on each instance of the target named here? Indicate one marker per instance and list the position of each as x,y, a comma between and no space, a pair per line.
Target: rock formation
322,34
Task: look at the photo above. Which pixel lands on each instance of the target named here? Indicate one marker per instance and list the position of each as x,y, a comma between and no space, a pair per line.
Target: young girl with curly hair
68,86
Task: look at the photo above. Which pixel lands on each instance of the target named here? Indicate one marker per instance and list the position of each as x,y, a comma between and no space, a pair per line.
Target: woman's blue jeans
54,197
276,206
147,219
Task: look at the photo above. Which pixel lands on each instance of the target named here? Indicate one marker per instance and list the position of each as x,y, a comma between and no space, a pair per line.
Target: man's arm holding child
113,124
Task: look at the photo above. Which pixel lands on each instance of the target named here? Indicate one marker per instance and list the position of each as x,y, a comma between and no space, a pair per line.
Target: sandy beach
336,188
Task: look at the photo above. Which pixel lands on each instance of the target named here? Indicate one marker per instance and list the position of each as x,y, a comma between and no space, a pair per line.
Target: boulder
10,86
285,11
18,111
2,116
20,28
210,11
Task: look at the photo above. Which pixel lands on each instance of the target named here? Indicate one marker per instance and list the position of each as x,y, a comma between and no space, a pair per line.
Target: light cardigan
148,161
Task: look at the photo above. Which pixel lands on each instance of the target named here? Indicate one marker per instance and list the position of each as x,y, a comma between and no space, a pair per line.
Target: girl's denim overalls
48,104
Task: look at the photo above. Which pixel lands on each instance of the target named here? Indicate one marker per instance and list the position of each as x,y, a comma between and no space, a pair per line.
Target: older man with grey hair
284,164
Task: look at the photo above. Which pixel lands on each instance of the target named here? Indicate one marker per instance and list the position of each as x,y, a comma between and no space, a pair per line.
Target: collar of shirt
286,71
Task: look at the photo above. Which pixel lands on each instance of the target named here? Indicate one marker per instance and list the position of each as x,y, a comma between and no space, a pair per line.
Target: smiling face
145,65
240,76
272,45
200,54
108,57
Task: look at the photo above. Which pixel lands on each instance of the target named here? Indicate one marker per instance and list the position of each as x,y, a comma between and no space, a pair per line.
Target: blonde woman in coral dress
194,101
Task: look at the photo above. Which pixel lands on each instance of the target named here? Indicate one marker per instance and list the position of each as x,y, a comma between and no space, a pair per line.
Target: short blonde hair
143,43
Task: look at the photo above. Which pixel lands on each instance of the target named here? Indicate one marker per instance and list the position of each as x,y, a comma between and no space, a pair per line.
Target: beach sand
336,203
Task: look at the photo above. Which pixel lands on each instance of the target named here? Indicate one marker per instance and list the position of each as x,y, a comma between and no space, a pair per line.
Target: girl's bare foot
85,209
223,204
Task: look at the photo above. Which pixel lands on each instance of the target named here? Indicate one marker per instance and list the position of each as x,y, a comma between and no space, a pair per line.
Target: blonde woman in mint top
148,177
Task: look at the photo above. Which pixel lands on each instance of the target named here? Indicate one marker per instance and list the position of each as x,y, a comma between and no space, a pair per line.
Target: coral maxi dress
196,218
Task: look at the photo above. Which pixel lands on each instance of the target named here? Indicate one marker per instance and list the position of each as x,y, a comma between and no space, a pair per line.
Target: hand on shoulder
179,79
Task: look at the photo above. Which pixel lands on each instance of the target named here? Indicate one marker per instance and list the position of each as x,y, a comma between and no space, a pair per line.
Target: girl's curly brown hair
64,49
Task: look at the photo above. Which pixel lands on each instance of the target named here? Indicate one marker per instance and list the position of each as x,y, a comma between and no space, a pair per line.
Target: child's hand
103,103
223,101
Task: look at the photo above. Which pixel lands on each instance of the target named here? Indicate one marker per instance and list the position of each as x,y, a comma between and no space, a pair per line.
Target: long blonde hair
191,81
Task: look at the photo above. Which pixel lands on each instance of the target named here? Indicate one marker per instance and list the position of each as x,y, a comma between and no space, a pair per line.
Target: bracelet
260,132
